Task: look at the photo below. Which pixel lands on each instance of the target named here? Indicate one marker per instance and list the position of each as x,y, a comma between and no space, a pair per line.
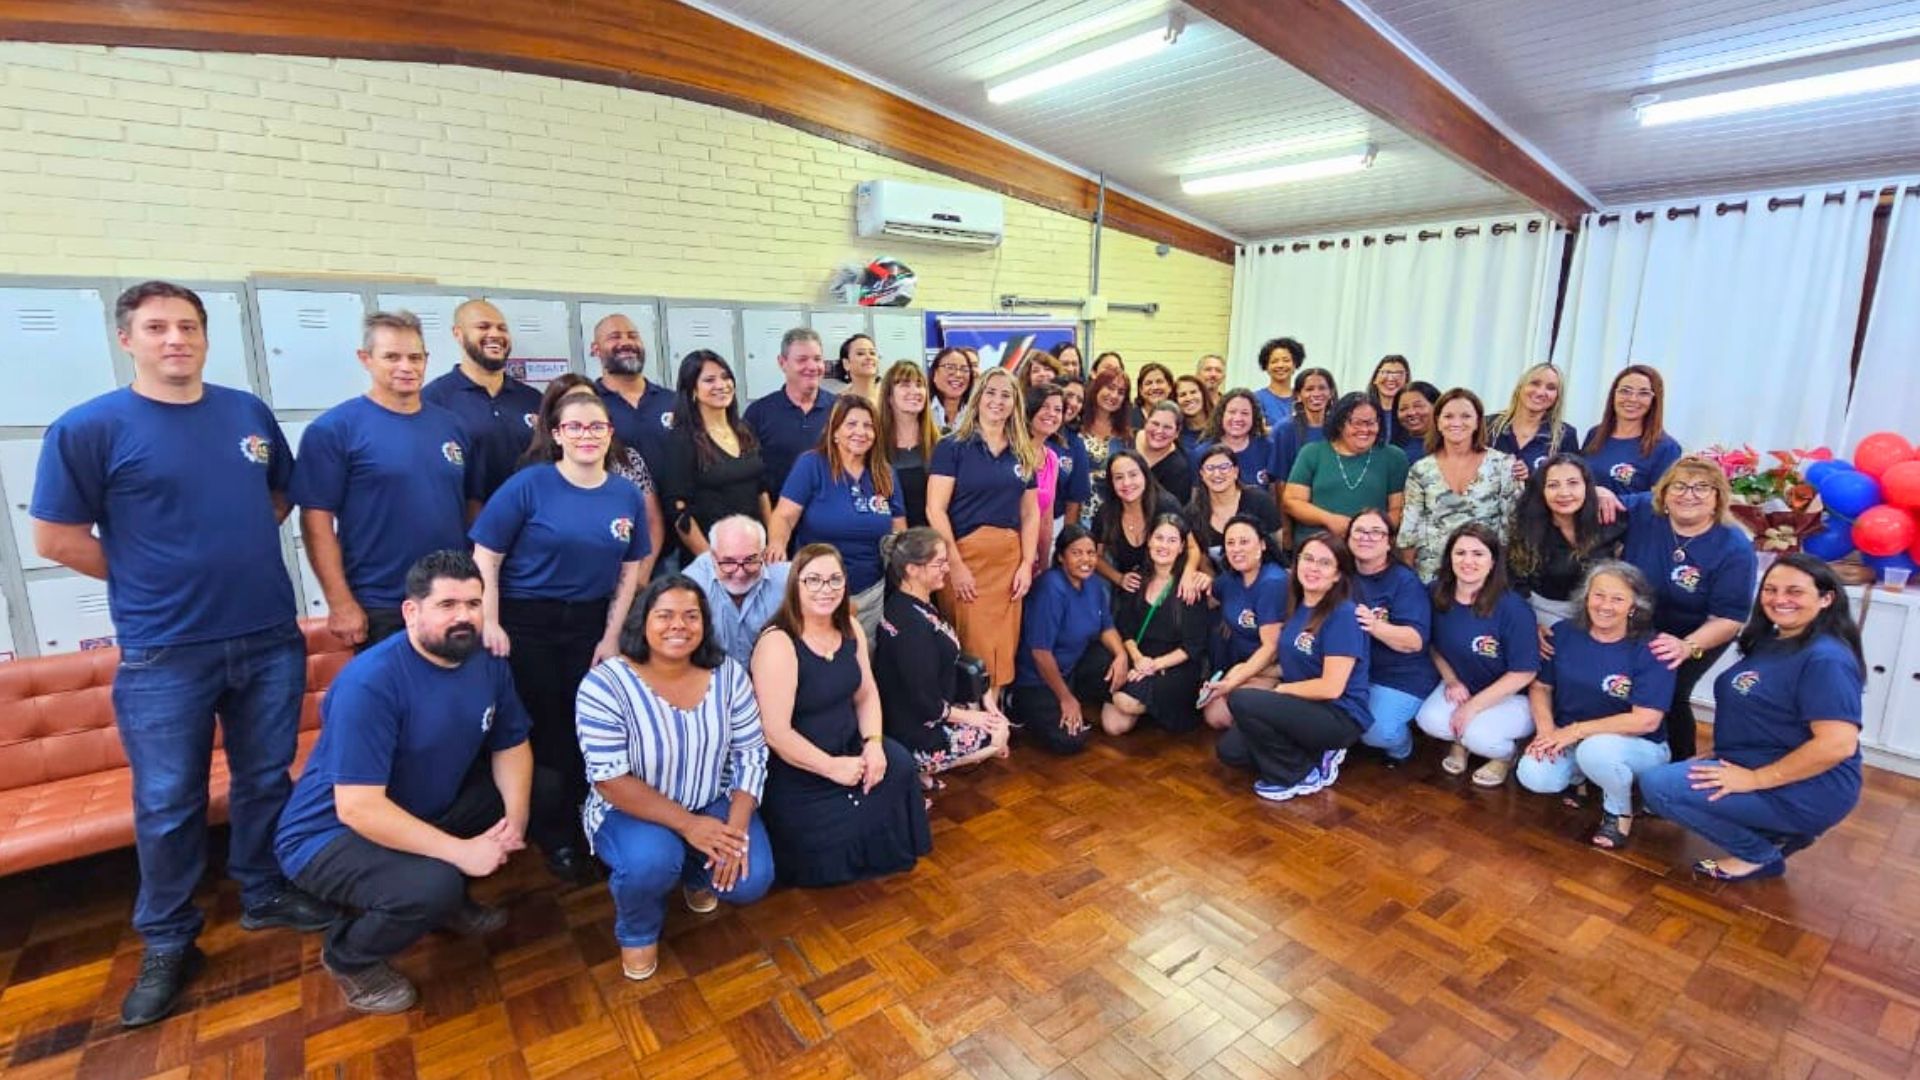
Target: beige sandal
700,901
639,971
1455,762
1492,774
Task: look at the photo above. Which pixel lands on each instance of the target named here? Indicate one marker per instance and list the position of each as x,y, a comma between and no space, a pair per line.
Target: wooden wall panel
653,45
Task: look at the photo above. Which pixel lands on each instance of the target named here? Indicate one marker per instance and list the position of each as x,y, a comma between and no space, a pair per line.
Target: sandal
1711,868
1609,836
1492,774
639,972
1455,762
1576,797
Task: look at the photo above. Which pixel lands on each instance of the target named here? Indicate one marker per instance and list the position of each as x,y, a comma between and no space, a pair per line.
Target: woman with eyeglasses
1219,498
1313,394
1166,639
1069,650
1786,730
1396,614
1105,429
1346,473
560,549
713,461
622,460
1253,603
1557,536
1630,449
843,494
1458,481
906,431
1159,444
953,376
915,652
1196,403
1390,376
1242,431
842,800
1415,415
1530,429
1702,568
1487,651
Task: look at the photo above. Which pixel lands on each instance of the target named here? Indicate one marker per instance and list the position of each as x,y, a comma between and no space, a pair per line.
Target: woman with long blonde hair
1530,429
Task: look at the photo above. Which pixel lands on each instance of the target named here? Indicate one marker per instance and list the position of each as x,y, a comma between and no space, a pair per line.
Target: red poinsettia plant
1771,495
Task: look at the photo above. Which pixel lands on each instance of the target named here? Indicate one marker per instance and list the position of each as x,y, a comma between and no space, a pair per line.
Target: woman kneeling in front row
1786,730
1069,650
1600,700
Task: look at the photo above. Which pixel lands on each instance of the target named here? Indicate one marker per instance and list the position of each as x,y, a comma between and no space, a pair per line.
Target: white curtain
1749,315
1468,307
1886,394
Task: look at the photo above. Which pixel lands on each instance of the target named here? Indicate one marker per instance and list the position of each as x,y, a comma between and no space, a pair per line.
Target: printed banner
1001,340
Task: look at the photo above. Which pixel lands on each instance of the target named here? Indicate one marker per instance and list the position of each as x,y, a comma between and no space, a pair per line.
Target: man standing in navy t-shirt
788,422
187,484
421,779
384,479
497,411
641,411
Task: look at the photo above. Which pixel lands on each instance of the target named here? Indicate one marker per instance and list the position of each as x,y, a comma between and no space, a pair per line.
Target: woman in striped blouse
671,734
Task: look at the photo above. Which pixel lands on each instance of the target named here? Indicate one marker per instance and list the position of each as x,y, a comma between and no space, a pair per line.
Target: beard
626,360
458,643
479,355
739,588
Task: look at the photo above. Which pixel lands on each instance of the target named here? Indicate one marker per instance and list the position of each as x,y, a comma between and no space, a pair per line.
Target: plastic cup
1896,578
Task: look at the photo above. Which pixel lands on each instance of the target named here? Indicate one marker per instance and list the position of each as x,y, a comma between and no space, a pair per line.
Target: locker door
70,614
316,600
311,340
542,346
835,327
690,328
436,325
19,458
294,430
646,319
7,649
54,353
226,340
760,332
899,336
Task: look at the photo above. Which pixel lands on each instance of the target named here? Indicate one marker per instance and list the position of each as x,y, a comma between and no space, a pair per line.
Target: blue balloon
1899,560
1850,493
1819,469
1832,543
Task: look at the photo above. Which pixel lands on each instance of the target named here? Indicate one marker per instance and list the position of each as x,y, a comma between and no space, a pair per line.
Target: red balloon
1900,485
1881,451
1884,530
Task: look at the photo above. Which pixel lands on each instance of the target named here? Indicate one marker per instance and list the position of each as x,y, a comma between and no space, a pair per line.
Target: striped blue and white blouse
690,756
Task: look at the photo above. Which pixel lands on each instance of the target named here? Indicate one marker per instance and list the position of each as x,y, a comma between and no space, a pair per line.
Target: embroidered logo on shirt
666,419
1622,473
452,452
871,504
1246,619
486,720
1303,642
1019,470
1260,477
257,449
530,418
1617,686
622,528
1687,577
1744,682
1486,645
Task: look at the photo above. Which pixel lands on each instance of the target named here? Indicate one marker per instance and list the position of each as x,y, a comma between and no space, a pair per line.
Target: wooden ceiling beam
1335,45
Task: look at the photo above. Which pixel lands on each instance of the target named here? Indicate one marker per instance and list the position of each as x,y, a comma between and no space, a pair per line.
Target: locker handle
1879,669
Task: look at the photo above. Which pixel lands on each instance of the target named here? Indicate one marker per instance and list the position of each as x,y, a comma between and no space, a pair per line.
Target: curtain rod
1460,232
1675,213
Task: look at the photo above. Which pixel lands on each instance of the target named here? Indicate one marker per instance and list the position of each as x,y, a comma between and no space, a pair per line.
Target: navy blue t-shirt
785,432
1544,444
1592,679
1254,462
1285,443
394,719
397,485
183,498
563,542
642,427
987,487
1764,707
845,513
1277,410
1481,648
1715,576
1244,608
1303,655
1396,595
1621,466
498,428
1062,620
1076,472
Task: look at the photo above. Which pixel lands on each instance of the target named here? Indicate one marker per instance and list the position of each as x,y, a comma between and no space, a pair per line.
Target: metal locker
54,353
316,599
70,614
646,319
19,460
226,340
435,312
542,340
311,340
835,327
690,328
294,430
760,333
7,650
900,335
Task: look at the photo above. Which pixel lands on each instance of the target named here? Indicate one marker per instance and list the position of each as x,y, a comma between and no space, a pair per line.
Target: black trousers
382,623
1279,737
1169,696
1037,711
1683,737
399,897
552,650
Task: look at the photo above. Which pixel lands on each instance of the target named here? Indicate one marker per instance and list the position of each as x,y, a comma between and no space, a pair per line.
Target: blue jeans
1392,728
164,701
1610,761
1748,825
647,860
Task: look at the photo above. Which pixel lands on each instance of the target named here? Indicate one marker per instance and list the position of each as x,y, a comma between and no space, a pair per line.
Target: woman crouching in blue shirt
1786,730
1069,649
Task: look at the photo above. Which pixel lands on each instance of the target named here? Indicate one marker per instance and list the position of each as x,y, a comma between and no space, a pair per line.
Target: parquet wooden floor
1134,912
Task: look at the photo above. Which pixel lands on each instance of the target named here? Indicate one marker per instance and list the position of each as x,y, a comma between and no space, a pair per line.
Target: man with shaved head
497,411
641,410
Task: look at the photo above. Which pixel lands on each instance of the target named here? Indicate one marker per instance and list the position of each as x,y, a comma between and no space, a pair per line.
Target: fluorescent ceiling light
1654,109
1284,173
1106,53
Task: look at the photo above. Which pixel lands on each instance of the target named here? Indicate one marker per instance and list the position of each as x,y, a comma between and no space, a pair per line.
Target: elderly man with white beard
742,589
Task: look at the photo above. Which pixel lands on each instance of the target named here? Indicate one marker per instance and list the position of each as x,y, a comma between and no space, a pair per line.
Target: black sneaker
475,920
573,866
293,910
162,976
378,989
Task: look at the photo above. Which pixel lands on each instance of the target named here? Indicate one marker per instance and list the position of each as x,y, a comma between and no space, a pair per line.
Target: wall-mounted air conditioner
932,214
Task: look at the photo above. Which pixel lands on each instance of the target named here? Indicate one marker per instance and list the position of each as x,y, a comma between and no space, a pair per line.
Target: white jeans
1610,761
1494,733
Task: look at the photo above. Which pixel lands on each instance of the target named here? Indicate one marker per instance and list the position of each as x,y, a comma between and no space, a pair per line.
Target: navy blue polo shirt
1594,679
1303,655
397,485
642,427
1713,578
1244,608
1062,619
845,513
1396,595
183,498
563,542
394,719
1544,444
1620,465
1076,471
498,427
1481,648
785,432
987,487
1764,707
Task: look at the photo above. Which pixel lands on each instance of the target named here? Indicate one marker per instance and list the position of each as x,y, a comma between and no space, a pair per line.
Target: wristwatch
1693,649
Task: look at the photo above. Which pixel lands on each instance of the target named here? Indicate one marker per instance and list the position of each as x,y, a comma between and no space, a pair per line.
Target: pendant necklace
1341,464
1680,546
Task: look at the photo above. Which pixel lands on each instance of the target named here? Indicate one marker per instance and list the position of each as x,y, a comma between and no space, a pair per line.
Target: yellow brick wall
141,162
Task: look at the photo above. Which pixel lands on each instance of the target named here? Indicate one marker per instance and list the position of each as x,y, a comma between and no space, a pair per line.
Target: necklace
1679,545
1341,464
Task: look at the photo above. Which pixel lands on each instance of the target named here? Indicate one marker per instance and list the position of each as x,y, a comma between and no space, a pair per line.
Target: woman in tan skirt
981,498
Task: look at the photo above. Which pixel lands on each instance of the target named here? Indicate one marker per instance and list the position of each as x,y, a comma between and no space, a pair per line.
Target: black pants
1682,733
400,897
1281,738
1037,711
382,623
552,644
1169,696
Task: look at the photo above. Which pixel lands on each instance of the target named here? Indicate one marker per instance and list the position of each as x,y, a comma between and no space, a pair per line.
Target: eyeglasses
1633,395
1324,562
940,563
1218,467
1370,534
573,429
817,584
1698,489
952,369
1364,425
748,565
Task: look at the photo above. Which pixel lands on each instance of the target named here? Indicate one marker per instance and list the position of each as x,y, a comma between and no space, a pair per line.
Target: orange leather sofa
65,788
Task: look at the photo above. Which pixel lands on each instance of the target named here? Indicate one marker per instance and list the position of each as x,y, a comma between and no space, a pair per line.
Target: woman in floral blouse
1460,480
